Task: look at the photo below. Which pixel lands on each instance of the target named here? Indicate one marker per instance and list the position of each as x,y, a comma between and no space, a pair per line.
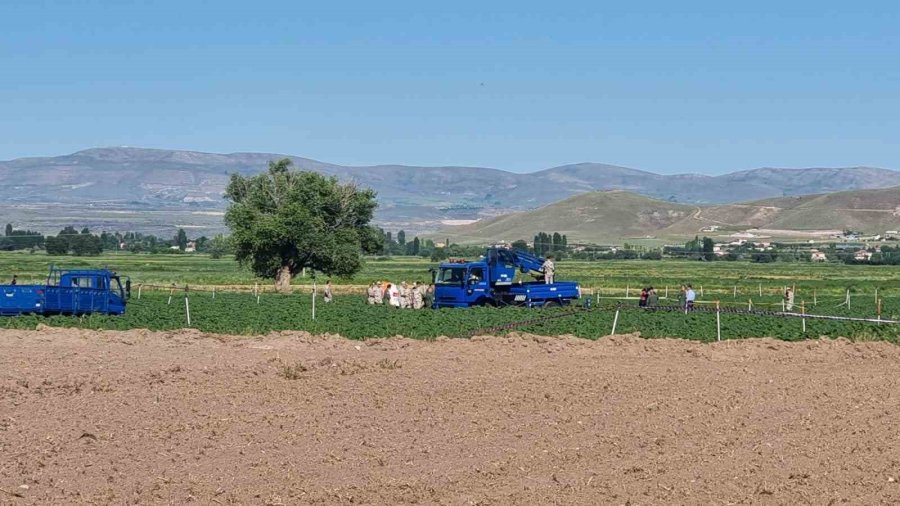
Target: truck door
88,294
116,303
477,285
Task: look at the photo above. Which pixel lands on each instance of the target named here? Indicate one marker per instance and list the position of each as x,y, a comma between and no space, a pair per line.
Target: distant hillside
593,217
419,199
614,216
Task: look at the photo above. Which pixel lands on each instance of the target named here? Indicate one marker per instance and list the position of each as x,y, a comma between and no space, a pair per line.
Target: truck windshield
451,276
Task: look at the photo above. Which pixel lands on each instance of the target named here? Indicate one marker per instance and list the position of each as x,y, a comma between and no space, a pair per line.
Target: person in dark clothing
428,296
643,300
14,280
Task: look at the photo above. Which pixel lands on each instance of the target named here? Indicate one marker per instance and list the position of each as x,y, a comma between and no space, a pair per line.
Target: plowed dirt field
174,418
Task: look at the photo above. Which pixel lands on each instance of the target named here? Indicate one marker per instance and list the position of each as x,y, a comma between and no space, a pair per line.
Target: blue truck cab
491,281
67,292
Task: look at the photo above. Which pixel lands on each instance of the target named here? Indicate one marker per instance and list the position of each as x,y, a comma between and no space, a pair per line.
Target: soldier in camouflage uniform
418,301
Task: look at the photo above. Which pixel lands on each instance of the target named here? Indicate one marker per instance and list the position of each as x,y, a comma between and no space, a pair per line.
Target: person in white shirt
549,269
689,298
394,294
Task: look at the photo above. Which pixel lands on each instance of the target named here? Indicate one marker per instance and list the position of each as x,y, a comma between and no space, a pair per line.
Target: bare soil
174,418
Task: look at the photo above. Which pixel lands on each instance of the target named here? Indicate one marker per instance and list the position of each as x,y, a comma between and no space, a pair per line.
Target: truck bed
21,299
538,293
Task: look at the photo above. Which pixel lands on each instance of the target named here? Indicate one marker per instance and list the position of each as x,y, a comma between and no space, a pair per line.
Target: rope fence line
599,293
727,310
718,311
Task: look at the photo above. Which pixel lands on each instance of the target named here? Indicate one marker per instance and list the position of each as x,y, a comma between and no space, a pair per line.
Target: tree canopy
284,221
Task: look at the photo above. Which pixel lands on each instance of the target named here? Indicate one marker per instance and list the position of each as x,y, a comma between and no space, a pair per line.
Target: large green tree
283,221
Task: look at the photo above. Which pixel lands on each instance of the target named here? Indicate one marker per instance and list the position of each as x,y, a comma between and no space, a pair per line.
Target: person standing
329,295
404,295
549,269
428,296
393,295
789,299
14,280
379,293
689,298
652,297
370,294
642,302
418,302
682,299
386,292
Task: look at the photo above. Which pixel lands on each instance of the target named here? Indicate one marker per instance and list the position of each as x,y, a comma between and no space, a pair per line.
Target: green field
611,276
349,316
819,288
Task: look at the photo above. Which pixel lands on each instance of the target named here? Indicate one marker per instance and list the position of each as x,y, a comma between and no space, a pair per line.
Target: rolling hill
102,187
616,216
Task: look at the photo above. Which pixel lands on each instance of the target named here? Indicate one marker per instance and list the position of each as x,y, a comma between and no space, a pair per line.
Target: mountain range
156,190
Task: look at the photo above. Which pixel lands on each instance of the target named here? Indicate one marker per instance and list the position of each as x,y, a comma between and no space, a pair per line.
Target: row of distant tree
71,241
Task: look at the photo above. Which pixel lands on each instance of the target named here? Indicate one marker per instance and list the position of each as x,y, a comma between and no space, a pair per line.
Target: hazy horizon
723,171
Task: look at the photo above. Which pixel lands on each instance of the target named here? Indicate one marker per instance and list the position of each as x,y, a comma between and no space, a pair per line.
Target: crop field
199,269
351,317
820,289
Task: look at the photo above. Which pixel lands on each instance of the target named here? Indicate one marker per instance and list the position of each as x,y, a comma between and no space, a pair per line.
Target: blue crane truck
491,281
66,292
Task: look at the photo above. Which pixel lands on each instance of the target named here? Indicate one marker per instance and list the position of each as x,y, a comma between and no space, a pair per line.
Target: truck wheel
551,303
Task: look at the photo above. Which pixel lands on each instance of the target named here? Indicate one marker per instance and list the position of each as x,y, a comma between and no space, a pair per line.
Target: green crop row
350,316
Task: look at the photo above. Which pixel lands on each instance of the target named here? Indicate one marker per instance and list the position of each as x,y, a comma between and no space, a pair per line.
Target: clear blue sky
660,85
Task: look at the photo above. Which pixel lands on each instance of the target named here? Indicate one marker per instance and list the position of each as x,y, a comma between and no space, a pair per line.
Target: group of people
404,296
649,297
686,297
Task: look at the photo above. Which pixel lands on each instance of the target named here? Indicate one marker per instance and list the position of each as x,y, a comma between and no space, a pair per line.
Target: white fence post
718,323
615,321
314,300
187,306
803,312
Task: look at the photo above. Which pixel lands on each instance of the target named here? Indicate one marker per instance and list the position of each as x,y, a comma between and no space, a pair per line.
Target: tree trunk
283,280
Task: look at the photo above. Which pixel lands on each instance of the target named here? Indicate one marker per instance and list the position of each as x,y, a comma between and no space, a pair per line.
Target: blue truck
67,292
491,281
